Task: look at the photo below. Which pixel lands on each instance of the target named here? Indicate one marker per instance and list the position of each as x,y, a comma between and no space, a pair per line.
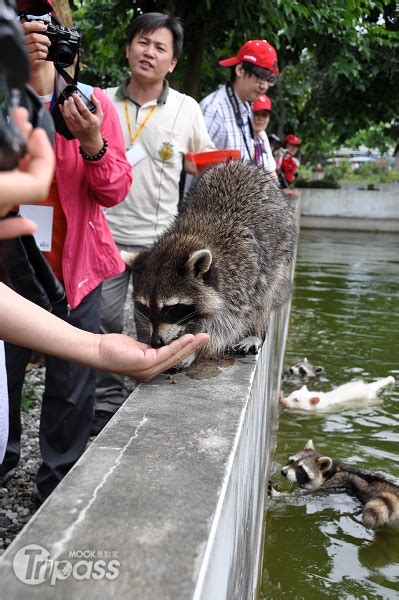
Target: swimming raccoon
222,265
354,391
304,368
301,370
313,472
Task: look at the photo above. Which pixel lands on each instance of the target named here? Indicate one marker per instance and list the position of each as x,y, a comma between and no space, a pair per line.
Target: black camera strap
238,117
66,76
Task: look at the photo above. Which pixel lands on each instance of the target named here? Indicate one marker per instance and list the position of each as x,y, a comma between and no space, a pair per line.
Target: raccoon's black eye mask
301,476
176,313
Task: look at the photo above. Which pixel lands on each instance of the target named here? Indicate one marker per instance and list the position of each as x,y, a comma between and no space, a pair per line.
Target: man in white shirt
227,111
160,126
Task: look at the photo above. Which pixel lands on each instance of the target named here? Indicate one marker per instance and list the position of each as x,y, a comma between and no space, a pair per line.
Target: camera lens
62,54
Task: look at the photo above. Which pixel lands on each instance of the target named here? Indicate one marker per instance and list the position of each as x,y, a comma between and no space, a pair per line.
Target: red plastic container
202,160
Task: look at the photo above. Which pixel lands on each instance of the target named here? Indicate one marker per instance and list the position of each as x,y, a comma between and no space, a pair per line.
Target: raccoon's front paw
271,491
249,345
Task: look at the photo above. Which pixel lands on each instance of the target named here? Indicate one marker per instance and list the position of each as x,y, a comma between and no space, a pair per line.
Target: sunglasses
269,78
262,75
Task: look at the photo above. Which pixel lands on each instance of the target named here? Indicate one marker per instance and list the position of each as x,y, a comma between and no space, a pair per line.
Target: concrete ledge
170,496
350,209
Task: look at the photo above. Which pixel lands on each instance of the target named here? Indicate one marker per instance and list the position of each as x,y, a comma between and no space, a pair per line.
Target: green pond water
345,317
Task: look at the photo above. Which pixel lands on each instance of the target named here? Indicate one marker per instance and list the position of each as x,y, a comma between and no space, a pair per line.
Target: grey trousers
111,391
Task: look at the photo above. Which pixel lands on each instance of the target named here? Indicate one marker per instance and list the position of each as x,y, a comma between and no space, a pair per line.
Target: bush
318,183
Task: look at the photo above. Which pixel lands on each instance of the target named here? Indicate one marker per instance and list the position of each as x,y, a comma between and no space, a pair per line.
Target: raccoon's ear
199,262
309,445
325,463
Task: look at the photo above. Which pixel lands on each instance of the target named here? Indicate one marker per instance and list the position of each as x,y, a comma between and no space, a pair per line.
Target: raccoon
223,263
302,370
379,496
354,391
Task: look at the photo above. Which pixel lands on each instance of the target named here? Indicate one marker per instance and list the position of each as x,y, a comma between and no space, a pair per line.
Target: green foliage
317,183
29,397
339,59
372,172
338,172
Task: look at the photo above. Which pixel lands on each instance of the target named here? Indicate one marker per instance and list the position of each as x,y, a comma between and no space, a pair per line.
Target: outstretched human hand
121,354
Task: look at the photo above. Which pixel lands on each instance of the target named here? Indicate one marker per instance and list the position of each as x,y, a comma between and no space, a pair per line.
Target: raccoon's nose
157,341
284,471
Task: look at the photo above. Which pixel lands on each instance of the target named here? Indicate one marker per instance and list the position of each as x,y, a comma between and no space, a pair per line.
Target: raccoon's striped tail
380,510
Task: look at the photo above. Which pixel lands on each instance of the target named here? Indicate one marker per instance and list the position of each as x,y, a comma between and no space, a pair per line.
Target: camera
65,43
60,125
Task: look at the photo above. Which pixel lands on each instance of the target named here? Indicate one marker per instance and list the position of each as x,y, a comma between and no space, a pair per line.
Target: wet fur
223,264
379,496
304,399
303,368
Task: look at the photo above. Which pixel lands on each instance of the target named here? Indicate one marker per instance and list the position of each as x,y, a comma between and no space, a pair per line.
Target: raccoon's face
175,290
307,468
305,369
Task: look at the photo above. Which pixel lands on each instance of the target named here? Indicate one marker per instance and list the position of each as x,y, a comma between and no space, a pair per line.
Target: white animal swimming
304,399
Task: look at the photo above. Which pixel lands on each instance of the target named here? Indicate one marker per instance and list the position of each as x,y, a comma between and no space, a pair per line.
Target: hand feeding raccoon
222,265
313,472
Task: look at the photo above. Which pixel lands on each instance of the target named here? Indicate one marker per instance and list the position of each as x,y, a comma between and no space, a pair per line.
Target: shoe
101,418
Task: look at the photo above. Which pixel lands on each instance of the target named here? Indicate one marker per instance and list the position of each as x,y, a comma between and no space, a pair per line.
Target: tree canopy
339,59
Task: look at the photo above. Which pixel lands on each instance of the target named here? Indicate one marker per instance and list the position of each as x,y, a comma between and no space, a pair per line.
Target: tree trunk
63,12
195,52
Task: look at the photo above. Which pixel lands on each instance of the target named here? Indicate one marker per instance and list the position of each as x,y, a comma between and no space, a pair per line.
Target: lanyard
238,116
135,135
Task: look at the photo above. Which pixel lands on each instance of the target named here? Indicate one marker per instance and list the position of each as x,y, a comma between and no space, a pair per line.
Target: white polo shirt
173,126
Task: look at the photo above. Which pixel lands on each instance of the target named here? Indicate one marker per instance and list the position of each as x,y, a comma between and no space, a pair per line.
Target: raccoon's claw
249,345
271,491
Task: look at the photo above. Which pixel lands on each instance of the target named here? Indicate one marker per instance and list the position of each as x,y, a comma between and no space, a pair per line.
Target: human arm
269,162
198,138
213,119
26,324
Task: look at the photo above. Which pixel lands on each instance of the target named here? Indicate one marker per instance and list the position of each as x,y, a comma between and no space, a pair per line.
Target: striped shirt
221,123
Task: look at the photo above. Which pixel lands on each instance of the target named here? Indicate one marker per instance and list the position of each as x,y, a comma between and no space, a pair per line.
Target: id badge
43,217
135,154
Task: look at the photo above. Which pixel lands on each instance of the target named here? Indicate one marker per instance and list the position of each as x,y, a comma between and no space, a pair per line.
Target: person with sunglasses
227,111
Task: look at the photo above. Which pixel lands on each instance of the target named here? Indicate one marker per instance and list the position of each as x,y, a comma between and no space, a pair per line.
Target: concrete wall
168,501
350,209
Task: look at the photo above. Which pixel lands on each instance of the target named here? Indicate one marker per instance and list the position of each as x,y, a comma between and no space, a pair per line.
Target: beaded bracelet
97,156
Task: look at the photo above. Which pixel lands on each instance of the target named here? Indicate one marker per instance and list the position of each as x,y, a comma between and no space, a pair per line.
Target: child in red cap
261,111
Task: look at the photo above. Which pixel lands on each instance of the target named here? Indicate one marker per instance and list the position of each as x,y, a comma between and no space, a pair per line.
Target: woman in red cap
261,110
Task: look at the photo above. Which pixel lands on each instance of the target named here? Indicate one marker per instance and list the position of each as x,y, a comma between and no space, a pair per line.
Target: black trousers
67,405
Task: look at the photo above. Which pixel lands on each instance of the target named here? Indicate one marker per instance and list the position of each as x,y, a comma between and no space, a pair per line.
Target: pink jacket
90,255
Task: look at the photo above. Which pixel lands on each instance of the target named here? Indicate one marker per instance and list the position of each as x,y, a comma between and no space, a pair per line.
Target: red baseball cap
258,52
45,5
292,139
262,103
